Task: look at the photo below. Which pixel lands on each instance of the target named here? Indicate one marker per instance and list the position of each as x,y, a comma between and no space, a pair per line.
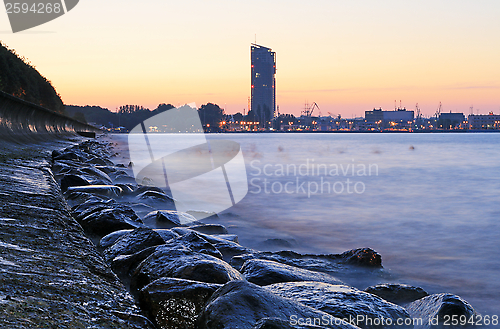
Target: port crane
438,111
309,110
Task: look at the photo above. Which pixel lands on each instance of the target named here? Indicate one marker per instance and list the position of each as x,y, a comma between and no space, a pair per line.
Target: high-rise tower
263,102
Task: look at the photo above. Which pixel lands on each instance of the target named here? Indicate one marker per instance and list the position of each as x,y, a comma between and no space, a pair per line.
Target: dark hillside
19,78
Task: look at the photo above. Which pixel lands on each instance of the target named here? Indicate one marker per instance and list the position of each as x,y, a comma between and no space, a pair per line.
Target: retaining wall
22,121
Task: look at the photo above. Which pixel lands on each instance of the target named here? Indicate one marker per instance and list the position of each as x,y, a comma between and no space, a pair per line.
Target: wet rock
67,156
397,293
154,196
195,242
182,264
124,178
168,218
434,309
362,257
228,249
166,234
337,264
109,239
97,175
72,180
55,154
77,197
143,188
344,302
125,265
107,169
106,190
204,215
228,237
134,320
135,241
175,303
209,228
105,221
127,189
96,204
99,161
264,272
240,304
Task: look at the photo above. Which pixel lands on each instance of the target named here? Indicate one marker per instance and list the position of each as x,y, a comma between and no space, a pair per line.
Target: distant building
400,118
451,120
483,121
374,116
263,100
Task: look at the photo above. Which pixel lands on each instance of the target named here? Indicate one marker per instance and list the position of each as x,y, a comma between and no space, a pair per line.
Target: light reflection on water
431,212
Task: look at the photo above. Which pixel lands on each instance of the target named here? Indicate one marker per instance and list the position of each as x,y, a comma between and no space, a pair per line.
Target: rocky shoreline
185,273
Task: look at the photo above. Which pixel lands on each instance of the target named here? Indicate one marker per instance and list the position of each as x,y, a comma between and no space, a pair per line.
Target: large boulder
103,222
229,249
110,239
96,175
436,311
106,190
362,257
155,197
397,293
90,202
72,180
264,272
135,241
210,228
357,307
241,304
175,303
344,266
168,218
182,264
195,242
124,266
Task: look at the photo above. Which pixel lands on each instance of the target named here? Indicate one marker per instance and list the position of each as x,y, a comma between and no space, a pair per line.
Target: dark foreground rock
105,221
194,242
436,310
168,218
182,264
397,293
135,241
240,304
360,308
331,263
264,272
106,190
210,229
228,248
175,303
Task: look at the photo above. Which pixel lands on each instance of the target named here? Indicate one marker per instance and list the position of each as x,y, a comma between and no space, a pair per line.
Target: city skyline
346,57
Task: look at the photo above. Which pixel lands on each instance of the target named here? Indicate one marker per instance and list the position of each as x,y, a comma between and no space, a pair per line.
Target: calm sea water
428,203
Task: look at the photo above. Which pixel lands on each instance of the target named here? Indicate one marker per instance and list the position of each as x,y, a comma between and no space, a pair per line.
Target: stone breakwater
51,274
184,273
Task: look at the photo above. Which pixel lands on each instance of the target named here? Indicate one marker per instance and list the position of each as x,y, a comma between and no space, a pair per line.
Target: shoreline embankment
25,122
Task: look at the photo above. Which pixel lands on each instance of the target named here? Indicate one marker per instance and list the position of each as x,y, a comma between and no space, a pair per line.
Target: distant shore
344,132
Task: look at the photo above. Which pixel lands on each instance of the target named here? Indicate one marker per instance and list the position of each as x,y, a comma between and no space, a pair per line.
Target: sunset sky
347,56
